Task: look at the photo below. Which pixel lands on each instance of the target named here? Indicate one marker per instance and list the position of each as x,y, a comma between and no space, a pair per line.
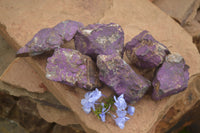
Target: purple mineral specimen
118,75
171,78
45,40
145,52
72,68
50,38
100,39
67,29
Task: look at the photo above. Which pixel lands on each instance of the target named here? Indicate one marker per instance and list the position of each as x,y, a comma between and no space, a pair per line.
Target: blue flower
103,114
87,106
120,121
90,99
121,113
131,110
104,111
121,105
120,102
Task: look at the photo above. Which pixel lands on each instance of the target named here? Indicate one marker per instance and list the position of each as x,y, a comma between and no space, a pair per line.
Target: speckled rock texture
172,77
50,38
45,40
118,75
98,39
67,29
145,52
72,68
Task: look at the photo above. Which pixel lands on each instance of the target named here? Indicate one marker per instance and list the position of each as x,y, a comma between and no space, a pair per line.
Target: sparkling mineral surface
100,39
67,29
45,40
118,75
72,68
145,52
171,78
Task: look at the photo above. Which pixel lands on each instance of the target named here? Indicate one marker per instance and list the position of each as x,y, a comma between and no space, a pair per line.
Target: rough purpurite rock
171,78
72,68
67,29
145,52
98,39
50,38
45,40
118,75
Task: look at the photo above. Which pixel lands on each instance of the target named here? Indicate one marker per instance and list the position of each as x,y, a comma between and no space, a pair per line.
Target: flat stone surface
20,74
62,117
182,11
134,16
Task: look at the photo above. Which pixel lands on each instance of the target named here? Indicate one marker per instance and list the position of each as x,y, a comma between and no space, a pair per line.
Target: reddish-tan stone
20,74
19,22
182,11
61,117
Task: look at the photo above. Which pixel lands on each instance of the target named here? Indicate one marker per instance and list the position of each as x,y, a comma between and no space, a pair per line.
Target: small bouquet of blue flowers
100,109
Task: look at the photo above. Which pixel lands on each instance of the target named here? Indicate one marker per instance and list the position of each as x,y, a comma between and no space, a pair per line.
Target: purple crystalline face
171,78
145,52
67,29
72,68
100,39
45,40
118,75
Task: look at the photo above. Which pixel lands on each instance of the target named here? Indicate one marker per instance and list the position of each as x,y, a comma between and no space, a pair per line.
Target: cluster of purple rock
104,44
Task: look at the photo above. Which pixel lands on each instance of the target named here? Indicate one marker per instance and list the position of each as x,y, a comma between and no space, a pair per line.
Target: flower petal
103,117
90,99
86,110
131,110
120,102
121,113
83,101
120,121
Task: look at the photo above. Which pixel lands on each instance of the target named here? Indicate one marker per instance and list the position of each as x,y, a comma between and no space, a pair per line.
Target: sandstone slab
20,74
133,16
62,117
182,11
